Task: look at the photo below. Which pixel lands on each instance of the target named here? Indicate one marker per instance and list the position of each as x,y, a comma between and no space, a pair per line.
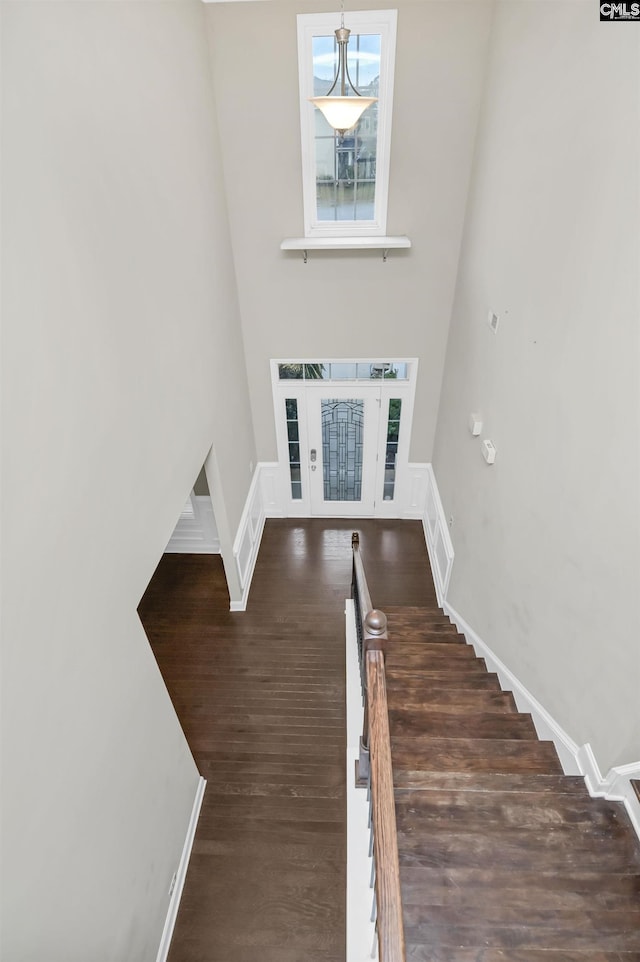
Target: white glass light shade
343,113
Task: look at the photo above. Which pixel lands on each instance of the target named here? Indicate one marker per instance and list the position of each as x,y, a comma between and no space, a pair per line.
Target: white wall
122,365
347,304
547,540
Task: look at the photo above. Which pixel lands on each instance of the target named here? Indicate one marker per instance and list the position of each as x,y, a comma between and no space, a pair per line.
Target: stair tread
447,953
404,634
461,886
510,810
469,843
462,668
452,700
470,724
418,611
473,754
552,851
559,930
400,652
474,782
402,637
468,679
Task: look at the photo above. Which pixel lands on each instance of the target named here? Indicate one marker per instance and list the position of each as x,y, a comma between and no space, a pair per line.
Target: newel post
375,630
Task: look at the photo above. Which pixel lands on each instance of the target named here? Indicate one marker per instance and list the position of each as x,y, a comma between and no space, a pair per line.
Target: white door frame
302,507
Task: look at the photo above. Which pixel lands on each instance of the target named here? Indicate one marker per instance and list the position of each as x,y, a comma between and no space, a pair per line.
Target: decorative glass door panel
342,431
342,458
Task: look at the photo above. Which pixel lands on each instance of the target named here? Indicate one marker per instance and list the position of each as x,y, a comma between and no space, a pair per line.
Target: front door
342,426
343,433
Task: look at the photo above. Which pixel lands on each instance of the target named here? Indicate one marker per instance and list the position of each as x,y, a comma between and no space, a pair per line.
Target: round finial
375,622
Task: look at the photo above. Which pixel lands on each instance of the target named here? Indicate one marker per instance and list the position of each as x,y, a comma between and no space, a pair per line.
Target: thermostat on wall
488,451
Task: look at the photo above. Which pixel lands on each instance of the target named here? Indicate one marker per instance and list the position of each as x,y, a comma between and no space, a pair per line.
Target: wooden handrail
371,630
359,577
372,624
391,944
374,765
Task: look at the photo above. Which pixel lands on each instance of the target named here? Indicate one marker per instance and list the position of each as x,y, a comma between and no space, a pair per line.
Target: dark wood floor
261,698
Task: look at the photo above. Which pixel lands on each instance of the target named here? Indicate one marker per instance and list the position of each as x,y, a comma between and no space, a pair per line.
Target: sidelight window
293,442
391,451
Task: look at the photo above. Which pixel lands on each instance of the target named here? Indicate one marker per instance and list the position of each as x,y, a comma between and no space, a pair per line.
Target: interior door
342,429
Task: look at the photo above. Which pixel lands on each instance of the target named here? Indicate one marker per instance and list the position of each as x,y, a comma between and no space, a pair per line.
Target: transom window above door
343,371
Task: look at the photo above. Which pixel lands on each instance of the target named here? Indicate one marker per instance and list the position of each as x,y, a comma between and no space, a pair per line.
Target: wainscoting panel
415,492
262,503
437,536
270,485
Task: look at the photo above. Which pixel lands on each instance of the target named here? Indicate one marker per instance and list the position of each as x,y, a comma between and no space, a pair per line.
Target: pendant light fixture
343,110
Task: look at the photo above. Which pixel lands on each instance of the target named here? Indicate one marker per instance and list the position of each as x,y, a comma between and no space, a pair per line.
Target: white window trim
383,22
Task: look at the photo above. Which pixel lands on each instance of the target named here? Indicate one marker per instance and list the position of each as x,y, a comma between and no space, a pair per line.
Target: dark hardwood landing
261,698
502,857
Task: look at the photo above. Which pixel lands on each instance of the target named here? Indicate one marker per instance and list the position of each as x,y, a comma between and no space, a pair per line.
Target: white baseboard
181,874
262,503
619,787
615,785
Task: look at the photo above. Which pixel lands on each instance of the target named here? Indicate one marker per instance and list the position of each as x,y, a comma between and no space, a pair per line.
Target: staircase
502,857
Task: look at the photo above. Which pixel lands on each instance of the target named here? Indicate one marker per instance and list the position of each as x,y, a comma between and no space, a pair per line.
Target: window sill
306,244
